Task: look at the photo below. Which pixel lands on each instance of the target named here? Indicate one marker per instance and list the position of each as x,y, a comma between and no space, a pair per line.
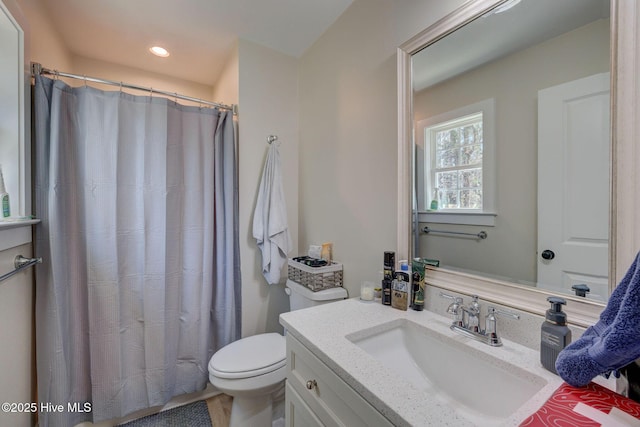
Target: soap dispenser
555,334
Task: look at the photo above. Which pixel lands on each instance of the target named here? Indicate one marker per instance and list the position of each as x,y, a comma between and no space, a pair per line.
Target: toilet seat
249,357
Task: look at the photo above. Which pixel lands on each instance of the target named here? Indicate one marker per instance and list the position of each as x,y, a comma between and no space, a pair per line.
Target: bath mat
195,414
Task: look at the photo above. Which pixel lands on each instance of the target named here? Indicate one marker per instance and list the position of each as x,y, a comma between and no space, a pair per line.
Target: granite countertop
324,330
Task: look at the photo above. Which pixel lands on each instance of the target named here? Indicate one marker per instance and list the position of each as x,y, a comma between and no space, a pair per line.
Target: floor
220,410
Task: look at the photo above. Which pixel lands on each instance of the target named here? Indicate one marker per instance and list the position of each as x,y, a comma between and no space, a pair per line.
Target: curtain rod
37,69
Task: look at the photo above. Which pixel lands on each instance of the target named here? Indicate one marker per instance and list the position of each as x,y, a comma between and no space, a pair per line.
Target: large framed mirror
480,96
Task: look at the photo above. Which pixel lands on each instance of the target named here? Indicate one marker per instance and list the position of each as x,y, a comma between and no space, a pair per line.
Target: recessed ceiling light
159,51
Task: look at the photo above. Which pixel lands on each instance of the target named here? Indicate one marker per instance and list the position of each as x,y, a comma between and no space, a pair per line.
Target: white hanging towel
270,227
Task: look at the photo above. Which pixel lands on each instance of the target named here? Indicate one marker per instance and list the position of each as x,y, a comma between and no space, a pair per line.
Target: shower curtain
141,276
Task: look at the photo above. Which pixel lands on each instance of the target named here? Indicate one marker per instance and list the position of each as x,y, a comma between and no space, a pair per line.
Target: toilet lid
250,356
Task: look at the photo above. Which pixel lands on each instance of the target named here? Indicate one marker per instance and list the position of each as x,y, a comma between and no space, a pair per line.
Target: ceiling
199,34
496,35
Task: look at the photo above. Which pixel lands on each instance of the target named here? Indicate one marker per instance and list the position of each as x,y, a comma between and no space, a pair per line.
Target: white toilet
253,369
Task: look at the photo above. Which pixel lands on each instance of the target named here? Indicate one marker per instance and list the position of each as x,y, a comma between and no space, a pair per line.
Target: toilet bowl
253,369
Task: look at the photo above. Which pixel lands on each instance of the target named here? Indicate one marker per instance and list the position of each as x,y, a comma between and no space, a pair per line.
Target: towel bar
480,235
21,263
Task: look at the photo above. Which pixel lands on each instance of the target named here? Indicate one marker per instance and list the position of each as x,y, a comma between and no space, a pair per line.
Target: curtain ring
151,92
56,74
120,87
85,80
175,97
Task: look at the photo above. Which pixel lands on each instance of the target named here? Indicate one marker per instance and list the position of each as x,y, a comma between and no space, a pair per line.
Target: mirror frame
21,202
625,131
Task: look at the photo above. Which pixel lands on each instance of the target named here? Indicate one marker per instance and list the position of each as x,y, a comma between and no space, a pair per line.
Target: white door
573,185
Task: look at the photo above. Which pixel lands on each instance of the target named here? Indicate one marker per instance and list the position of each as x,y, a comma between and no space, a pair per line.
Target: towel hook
272,138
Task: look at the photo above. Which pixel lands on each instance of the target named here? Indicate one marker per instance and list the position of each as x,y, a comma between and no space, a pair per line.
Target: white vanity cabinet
316,396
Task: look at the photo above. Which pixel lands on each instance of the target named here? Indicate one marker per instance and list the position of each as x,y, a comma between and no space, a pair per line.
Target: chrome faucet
466,320
472,319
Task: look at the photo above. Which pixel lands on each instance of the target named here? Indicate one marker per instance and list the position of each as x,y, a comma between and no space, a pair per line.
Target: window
456,166
455,162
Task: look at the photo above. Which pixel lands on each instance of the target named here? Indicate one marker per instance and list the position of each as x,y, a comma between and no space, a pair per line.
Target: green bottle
4,197
434,201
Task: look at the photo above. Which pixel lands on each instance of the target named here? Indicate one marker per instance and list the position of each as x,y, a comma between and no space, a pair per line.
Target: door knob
311,384
548,254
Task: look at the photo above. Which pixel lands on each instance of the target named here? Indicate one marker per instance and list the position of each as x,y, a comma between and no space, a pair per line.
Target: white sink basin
479,386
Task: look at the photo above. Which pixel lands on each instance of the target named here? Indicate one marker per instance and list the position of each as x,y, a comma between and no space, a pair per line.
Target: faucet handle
455,308
491,323
505,313
457,301
451,297
456,304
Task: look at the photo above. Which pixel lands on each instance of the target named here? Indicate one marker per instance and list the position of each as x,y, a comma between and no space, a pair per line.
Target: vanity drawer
298,413
332,400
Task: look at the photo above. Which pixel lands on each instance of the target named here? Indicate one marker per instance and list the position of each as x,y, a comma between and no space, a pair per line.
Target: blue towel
613,342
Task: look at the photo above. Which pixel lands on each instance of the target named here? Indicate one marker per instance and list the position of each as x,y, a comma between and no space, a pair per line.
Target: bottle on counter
555,334
387,276
386,292
400,290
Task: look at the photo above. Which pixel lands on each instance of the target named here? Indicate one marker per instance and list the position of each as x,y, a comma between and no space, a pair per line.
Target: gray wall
348,131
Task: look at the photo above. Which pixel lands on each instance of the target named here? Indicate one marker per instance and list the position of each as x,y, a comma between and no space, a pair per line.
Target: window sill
488,219
15,232
13,223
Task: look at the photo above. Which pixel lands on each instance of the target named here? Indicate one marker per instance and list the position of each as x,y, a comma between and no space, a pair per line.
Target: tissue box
589,406
316,278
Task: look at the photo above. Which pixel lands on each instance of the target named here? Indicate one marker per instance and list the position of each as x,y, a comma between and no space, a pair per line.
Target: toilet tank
302,297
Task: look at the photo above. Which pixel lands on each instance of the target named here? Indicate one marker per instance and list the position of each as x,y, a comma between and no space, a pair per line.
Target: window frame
484,216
